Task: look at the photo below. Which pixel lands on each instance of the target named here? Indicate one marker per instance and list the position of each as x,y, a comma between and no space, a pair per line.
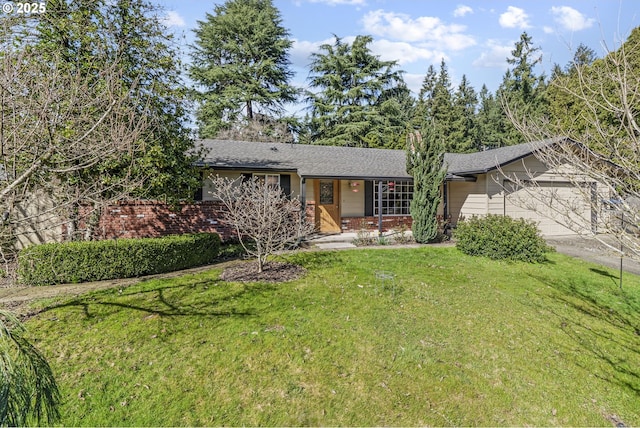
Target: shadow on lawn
173,300
606,274
619,349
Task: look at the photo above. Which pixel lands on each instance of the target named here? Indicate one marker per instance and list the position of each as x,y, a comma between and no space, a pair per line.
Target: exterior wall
352,198
149,219
467,199
38,221
529,167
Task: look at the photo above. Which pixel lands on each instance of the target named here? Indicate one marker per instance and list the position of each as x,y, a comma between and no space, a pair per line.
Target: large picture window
396,197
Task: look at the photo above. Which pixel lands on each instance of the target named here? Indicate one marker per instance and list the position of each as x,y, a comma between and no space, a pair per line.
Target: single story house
345,188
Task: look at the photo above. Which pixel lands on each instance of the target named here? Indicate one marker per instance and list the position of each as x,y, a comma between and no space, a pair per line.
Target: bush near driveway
500,237
71,262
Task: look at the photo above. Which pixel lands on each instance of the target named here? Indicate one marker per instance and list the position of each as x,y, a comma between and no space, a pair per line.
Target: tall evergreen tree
435,105
521,90
489,121
241,62
464,134
356,99
425,155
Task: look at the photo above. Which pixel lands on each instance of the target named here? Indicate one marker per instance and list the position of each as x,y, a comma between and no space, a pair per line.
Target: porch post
379,207
303,196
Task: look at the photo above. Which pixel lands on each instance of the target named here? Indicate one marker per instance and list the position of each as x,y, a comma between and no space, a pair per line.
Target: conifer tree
521,89
425,157
241,63
464,134
356,99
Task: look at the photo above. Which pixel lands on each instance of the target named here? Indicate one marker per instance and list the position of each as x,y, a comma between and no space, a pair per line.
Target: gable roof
312,161
489,160
309,161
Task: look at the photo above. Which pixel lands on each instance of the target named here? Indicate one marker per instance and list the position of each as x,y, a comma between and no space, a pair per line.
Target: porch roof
308,161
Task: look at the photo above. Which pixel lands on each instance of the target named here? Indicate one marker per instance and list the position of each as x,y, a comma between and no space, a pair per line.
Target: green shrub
58,263
501,237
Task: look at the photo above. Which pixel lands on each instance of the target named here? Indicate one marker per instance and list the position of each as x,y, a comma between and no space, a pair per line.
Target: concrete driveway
591,250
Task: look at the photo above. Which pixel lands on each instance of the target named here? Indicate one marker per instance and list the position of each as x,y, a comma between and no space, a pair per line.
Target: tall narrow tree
425,157
464,134
489,121
241,64
521,89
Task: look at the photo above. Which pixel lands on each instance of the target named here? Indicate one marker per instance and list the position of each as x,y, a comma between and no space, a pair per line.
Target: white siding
352,198
467,199
539,206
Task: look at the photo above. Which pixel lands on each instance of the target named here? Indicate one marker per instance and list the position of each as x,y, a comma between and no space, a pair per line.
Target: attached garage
484,183
547,203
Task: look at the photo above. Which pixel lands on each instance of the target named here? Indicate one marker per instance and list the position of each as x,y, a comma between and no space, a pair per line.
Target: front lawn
453,340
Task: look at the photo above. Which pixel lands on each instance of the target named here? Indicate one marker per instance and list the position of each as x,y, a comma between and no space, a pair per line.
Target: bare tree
56,127
263,217
594,140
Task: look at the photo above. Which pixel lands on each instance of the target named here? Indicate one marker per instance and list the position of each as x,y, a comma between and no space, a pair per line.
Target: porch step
335,241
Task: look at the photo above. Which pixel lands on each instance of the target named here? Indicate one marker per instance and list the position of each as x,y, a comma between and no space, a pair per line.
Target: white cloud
425,29
173,19
414,81
462,10
514,17
301,51
495,56
403,52
570,19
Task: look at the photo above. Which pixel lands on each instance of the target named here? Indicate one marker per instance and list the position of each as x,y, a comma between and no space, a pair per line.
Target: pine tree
425,157
464,134
489,121
241,63
521,89
356,99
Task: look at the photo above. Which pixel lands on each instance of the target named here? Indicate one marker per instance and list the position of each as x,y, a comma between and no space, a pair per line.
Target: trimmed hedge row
500,237
72,262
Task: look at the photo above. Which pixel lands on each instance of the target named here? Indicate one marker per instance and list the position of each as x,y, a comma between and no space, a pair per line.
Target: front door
327,208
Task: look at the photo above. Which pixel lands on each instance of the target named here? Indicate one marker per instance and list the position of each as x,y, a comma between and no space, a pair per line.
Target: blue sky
473,37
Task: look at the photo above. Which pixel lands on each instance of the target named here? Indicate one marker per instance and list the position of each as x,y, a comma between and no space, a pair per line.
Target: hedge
501,238
73,262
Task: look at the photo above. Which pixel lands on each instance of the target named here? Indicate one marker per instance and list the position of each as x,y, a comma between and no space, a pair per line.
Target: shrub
501,237
58,263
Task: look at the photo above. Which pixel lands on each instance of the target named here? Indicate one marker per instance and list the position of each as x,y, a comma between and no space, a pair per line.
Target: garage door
545,205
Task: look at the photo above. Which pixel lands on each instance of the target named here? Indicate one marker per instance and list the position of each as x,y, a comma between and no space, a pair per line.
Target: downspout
445,200
303,195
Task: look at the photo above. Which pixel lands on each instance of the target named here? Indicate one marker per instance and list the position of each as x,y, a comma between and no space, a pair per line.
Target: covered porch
338,205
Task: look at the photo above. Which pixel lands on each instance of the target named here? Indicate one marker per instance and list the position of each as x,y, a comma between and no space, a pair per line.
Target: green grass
458,341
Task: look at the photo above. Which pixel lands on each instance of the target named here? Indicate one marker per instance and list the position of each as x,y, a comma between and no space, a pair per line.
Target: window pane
326,192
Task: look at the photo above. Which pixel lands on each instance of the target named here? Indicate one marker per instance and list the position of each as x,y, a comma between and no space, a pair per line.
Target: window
272,180
396,197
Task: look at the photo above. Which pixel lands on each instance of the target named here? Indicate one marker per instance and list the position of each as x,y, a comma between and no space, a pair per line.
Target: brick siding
353,224
150,219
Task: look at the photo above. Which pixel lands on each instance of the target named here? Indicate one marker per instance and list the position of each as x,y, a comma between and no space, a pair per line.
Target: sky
473,37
